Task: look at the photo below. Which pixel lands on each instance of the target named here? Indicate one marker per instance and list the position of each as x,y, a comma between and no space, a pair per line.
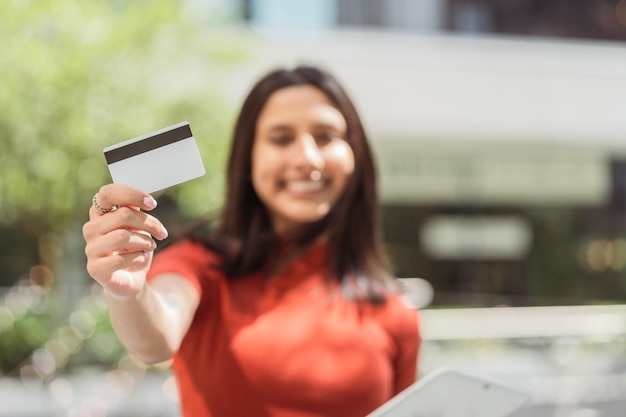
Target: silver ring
100,209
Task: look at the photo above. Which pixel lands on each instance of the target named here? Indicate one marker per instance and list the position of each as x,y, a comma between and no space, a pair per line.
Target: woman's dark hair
245,237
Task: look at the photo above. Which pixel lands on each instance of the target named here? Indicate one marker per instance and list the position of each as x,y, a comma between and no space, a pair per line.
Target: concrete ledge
523,322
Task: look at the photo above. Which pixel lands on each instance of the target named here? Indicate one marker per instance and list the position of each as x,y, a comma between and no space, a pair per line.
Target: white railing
523,322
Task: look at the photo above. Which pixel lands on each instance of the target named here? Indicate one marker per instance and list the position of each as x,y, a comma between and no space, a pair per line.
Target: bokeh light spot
83,323
42,277
170,389
6,319
61,391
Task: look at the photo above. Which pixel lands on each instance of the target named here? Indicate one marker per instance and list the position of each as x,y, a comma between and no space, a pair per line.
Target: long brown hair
245,237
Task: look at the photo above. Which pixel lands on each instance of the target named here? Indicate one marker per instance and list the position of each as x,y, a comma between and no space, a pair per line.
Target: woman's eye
280,140
326,137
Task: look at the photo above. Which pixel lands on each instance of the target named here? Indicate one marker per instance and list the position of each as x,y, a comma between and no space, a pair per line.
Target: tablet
450,392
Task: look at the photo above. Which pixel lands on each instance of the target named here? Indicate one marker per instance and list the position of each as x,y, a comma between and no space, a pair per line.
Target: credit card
156,160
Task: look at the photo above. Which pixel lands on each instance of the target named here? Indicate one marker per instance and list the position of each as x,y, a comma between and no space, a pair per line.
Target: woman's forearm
152,324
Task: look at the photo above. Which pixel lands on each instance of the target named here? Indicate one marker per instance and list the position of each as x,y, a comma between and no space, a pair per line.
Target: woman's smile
305,187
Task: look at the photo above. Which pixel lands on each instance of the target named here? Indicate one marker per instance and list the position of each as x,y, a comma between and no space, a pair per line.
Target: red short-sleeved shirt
290,346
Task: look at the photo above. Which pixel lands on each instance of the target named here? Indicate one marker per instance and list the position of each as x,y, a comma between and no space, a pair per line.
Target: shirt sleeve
403,325
189,259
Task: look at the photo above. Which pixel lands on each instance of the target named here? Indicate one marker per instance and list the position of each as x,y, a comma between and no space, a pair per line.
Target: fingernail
146,255
149,202
164,233
154,244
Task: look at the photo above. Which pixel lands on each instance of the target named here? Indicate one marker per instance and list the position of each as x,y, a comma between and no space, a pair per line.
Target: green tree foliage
78,76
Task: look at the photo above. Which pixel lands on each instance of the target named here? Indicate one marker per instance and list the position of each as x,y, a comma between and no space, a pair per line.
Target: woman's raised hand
119,239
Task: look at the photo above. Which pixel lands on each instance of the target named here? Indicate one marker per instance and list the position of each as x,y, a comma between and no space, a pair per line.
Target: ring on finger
100,209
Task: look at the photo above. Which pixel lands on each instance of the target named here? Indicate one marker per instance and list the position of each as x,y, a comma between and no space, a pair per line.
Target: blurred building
583,19
498,128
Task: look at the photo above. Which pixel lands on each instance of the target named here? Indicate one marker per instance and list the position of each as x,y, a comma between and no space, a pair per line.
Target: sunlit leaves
78,76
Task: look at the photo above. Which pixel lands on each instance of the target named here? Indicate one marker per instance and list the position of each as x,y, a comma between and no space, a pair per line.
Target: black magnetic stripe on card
148,144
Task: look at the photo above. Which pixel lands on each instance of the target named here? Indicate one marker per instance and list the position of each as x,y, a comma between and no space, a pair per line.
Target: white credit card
156,160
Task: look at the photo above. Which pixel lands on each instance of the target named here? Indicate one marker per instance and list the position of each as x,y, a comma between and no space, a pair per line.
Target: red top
290,346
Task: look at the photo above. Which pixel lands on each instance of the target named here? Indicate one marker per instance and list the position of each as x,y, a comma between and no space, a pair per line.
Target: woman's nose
309,151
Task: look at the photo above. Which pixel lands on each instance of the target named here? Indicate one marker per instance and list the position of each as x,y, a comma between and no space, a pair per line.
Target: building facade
499,133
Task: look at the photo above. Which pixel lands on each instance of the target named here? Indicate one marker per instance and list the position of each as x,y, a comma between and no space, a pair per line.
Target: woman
287,308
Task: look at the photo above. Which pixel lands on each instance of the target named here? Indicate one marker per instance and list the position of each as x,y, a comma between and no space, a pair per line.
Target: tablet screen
449,392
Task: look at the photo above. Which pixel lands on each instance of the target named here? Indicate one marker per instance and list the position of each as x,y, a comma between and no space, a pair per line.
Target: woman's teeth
304,186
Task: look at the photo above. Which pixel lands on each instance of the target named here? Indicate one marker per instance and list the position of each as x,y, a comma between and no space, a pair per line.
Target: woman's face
301,161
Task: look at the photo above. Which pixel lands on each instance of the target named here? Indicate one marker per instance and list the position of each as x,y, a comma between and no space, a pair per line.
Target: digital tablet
450,392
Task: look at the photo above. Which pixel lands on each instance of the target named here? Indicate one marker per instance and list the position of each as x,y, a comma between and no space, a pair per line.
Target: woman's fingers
112,196
119,244
120,241
106,270
124,218
128,218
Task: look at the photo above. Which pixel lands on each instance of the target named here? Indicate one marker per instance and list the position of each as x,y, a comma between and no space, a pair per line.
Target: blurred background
499,131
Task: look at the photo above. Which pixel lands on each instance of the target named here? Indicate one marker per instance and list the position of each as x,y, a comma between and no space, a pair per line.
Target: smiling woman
288,302
300,159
